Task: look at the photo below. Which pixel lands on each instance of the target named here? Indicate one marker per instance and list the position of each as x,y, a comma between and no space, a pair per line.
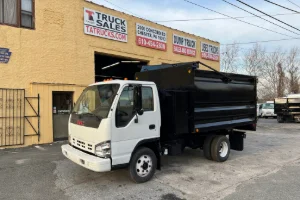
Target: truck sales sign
210,52
184,46
151,37
104,25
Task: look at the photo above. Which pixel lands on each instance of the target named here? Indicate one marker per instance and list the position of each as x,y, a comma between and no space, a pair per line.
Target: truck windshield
268,106
96,100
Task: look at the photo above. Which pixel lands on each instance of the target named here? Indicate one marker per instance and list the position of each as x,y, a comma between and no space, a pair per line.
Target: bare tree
254,60
273,77
293,70
281,80
229,59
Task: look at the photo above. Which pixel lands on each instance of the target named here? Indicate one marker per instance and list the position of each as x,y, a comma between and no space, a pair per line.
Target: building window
19,13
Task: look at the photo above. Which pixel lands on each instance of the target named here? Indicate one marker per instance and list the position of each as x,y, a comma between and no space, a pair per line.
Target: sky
225,31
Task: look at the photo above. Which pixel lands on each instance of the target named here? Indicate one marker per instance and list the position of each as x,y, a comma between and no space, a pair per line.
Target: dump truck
287,108
167,108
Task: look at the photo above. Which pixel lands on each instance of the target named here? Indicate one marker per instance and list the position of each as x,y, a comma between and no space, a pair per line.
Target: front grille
82,145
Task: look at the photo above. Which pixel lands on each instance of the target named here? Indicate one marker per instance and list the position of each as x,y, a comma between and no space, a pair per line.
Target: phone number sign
210,52
151,37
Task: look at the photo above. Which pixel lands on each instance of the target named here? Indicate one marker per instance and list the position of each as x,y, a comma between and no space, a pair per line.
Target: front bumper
269,115
85,160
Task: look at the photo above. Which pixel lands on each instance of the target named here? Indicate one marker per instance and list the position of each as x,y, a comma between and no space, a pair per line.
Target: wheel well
152,144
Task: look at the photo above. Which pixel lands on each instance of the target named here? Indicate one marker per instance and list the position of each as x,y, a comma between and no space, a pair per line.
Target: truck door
126,131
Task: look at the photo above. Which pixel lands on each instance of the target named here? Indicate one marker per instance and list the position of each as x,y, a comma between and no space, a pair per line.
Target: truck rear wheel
142,165
207,147
220,148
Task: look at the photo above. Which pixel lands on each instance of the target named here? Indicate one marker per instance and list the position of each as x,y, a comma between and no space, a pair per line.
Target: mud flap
236,139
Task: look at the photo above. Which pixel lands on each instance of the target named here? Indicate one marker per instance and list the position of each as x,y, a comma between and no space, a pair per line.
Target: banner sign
183,45
210,52
104,25
151,37
4,55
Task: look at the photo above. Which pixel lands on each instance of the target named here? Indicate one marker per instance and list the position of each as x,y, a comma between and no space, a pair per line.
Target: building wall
58,52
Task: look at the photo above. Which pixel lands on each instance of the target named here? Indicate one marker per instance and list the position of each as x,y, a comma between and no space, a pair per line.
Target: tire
220,148
207,147
142,165
280,119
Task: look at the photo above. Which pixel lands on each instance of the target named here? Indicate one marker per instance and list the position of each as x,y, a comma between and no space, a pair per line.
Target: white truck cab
267,110
90,134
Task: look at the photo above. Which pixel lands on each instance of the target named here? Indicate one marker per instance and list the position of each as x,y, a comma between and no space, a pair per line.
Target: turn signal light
125,79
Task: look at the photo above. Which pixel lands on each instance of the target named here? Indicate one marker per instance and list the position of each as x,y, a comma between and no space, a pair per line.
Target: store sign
151,37
104,25
4,55
210,52
184,46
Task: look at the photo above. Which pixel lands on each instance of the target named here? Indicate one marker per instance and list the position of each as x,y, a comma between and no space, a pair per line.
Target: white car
267,110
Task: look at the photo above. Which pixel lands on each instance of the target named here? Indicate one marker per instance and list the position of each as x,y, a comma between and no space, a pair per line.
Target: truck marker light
137,78
197,130
189,71
125,79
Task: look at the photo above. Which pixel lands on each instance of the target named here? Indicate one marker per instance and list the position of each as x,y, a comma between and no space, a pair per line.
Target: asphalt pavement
268,168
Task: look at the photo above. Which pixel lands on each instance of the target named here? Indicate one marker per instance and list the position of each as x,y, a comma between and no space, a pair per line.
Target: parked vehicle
132,123
288,108
267,110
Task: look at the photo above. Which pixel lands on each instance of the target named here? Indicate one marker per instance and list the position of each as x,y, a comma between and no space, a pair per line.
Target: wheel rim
223,149
143,165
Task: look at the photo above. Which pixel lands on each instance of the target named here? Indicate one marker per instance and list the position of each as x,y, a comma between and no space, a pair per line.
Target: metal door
61,109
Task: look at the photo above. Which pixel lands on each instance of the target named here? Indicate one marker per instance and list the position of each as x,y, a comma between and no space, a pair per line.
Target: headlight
103,149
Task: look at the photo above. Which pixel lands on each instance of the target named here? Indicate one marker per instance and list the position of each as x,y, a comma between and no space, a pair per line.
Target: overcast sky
224,31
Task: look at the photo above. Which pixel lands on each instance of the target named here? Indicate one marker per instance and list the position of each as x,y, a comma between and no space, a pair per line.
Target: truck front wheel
280,119
220,148
142,165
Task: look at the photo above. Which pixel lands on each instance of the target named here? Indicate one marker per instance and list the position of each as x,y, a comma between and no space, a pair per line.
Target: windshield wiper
92,114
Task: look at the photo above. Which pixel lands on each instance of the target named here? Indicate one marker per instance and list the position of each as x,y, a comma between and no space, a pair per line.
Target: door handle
152,126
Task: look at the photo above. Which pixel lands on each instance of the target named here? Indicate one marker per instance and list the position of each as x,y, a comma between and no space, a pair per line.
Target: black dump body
196,101
287,106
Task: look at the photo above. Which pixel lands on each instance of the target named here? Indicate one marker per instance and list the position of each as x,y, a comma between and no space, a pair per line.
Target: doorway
109,66
62,103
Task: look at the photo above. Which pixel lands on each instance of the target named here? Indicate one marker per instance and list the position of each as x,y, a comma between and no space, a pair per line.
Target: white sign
104,25
184,46
210,52
151,37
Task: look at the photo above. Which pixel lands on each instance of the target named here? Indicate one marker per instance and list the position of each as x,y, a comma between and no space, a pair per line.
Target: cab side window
125,109
147,99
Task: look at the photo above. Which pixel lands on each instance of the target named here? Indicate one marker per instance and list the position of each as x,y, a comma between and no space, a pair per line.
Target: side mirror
140,112
138,99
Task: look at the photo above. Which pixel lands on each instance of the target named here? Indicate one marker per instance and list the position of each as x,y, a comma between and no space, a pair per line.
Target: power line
220,18
263,41
293,3
122,8
281,6
233,17
260,17
268,15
